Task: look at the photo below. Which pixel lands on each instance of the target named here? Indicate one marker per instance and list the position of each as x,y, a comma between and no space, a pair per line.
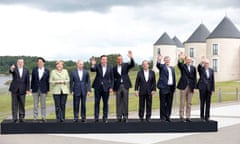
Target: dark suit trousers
205,101
100,93
60,105
122,102
18,105
145,99
76,103
165,105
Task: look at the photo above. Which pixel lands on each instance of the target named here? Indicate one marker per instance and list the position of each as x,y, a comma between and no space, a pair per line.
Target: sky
80,29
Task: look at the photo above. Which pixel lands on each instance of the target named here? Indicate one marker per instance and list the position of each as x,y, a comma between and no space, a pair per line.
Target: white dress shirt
189,68
20,72
146,74
40,72
207,73
119,69
80,74
104,69
170,77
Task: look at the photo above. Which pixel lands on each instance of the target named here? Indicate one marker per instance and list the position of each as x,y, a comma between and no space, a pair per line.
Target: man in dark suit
145,88
19,87
206,86
80,88
122,84
167,86
40,87
103,85
186,84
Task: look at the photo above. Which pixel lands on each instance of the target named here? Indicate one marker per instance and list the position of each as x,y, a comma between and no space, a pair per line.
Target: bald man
145,88
186,84
80,87
206,86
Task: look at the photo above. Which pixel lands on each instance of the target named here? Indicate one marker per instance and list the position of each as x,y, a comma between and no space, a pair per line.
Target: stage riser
133,126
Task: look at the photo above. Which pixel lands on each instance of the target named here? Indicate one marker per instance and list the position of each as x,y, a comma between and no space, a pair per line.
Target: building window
215,65
191,52
158,51
193,62
215,49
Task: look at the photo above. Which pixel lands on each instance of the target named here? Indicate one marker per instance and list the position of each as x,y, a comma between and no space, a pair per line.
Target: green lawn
228,94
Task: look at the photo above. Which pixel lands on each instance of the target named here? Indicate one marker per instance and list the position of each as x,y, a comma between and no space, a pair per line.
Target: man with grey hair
186,84
145,88
80,87
167,86
19,87
206,86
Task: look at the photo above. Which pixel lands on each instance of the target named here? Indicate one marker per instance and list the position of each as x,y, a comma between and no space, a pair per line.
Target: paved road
227,115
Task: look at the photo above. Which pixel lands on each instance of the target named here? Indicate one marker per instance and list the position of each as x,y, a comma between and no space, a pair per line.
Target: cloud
77,5
105,5
42,28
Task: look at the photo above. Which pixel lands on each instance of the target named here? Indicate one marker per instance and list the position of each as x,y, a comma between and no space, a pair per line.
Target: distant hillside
30,63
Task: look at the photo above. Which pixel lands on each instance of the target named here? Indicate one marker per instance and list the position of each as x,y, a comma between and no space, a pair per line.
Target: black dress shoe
15,121
168,119
141,119
188,120
119,120
162,119
21,120
125,120
105,120
148,119
181,119
96,120
44,120
206,119
75,120
83,120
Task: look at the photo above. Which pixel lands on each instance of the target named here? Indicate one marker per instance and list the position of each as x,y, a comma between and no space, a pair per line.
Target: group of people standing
107,80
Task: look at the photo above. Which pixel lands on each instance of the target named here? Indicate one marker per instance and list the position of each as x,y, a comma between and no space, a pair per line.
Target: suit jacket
145,87
43,83
55,76
187,78
163,79
107,81
205,83
124,75
77,86
20,85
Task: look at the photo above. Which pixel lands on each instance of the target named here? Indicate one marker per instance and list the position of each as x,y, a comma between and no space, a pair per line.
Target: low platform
132,126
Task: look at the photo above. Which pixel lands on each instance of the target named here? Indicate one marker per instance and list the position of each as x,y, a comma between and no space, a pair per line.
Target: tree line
31,61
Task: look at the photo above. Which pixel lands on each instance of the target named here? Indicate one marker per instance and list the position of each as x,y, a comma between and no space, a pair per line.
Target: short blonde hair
59,62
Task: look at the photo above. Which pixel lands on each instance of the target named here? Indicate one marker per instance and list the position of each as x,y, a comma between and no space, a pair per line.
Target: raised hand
160,57
93,61
12,67
203,59
181,55
130,54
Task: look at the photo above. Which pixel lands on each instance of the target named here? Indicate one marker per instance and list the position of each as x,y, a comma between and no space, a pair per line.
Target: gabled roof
178,42
225,29
164,40
199,35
